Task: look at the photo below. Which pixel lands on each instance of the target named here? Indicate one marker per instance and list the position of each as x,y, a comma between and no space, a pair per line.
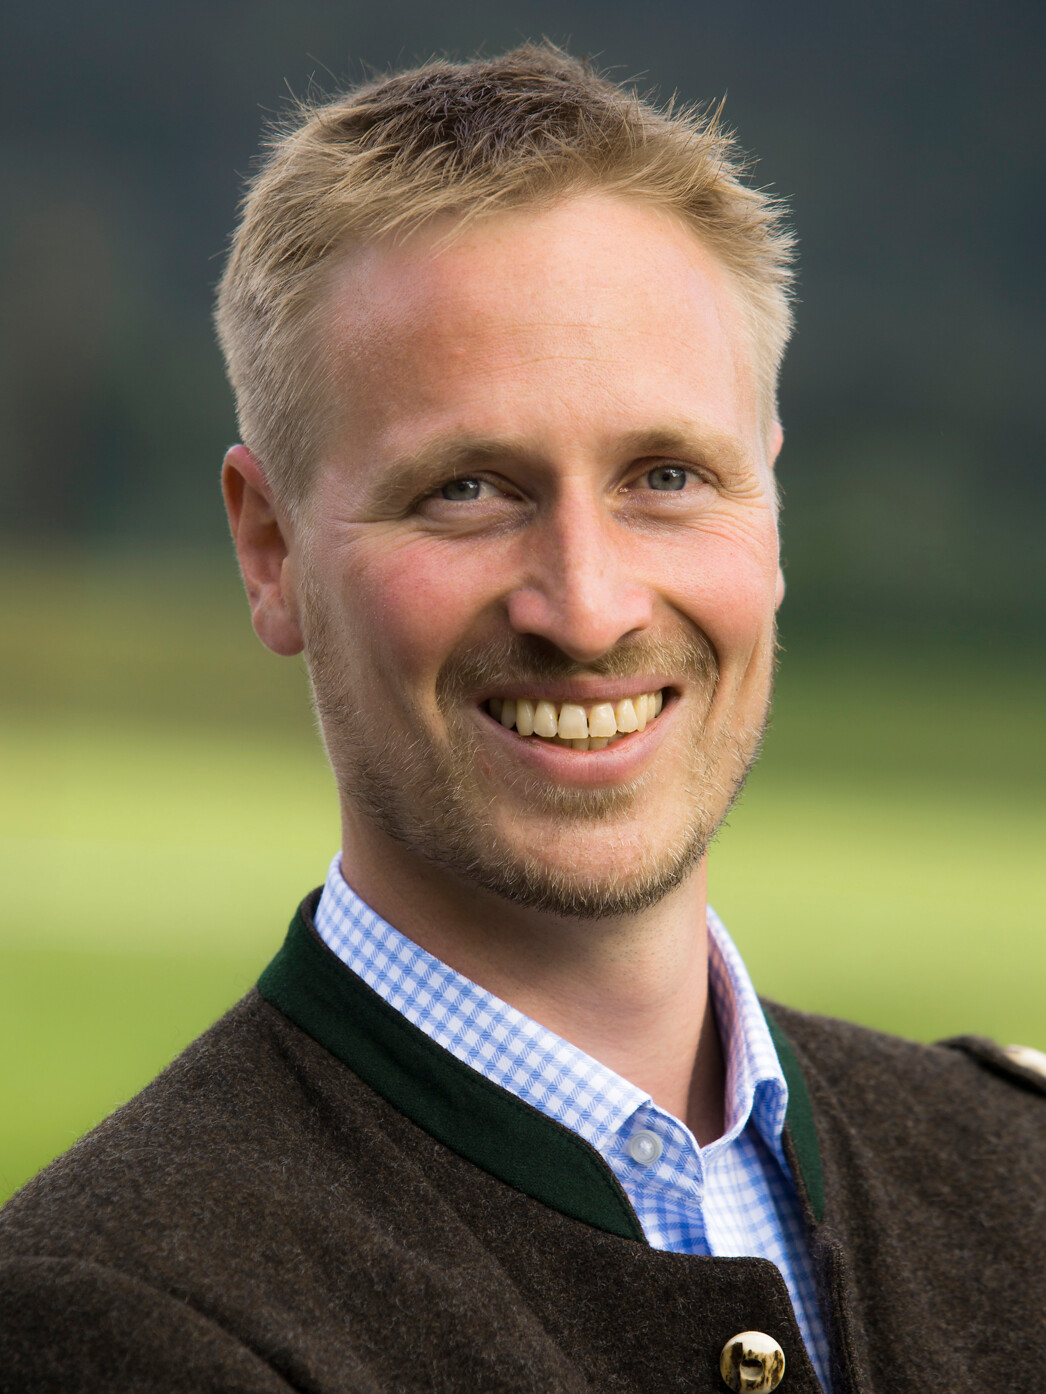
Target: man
505,1113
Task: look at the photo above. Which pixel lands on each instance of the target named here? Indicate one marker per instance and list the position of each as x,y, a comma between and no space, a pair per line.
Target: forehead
596,317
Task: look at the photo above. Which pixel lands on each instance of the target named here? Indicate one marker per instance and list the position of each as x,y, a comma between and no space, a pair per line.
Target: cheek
727,587
411,608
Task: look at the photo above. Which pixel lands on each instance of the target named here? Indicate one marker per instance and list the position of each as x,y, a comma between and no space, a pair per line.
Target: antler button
1027,1057
752,1361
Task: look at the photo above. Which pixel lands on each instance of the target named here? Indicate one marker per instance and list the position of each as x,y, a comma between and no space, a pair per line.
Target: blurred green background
164,802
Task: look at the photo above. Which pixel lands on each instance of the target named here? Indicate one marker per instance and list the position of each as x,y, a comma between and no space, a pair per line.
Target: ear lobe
263,537
780,593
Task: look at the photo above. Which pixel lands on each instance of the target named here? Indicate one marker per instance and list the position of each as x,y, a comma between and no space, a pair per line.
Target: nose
579,590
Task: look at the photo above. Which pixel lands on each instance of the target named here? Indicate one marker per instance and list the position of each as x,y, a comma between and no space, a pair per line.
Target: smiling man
505,1113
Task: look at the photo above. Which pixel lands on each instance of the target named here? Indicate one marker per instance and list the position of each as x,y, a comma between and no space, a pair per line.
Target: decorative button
752,1360
1027,1057
644,1147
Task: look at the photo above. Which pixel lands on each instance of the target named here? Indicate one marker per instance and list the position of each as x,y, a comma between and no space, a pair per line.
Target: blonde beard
429,798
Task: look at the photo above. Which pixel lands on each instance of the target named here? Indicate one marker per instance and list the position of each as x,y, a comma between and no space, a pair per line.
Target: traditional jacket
317,1197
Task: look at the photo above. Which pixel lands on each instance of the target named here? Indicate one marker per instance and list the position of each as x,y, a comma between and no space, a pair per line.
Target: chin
556,891
579,882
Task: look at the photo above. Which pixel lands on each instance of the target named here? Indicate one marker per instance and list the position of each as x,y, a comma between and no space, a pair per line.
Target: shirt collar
531,1061
755,1083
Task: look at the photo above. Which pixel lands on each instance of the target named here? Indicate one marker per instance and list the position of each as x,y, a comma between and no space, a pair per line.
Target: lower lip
614,764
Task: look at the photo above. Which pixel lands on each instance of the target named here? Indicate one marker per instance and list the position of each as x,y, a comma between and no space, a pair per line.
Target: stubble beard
428,796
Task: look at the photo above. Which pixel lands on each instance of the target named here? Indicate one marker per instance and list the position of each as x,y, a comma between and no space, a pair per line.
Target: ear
263,537
774,449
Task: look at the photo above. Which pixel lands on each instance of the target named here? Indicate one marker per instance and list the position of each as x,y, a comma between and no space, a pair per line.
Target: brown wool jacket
316,1197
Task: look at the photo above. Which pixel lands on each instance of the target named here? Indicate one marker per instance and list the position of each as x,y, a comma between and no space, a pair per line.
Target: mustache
530,658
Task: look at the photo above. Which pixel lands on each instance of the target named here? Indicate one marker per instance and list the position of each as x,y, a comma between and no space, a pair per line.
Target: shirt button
752,1360
644,1147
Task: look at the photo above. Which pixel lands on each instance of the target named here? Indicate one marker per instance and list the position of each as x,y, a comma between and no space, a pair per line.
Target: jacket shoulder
848,1057
216,1125
122,1264
1022,1065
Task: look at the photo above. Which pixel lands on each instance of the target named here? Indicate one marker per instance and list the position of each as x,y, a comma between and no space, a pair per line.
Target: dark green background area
908,139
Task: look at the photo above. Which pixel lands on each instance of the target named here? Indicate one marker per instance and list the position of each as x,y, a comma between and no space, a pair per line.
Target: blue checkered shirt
731,1198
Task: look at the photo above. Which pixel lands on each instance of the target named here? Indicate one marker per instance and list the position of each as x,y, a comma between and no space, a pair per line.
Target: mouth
580,727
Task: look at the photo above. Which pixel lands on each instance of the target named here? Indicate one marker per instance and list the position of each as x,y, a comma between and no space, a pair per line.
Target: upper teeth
569,721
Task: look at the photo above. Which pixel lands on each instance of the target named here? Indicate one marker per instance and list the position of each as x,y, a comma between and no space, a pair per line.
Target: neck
631,991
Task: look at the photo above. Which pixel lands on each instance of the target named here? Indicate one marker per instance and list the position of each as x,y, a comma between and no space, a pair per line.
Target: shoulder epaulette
1018,1063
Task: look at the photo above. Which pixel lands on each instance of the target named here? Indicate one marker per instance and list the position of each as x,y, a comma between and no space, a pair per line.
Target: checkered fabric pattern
732,1198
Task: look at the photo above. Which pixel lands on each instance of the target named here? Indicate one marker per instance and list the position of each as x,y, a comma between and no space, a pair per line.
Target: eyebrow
437,461
683,438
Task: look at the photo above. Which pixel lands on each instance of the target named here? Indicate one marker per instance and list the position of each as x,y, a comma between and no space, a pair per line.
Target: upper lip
584,692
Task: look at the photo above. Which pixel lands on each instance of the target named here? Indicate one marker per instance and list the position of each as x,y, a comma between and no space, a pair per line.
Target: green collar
799,1120
462,1108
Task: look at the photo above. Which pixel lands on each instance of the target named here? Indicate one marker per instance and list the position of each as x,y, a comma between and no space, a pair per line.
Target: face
538,569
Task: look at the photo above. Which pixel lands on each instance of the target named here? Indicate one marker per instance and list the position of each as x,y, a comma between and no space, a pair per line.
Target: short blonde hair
528,128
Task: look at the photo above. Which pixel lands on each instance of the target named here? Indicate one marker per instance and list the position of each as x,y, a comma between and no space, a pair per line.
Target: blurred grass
165,803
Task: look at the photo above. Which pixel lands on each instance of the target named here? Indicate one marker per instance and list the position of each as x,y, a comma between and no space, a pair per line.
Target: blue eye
667,477
461,490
